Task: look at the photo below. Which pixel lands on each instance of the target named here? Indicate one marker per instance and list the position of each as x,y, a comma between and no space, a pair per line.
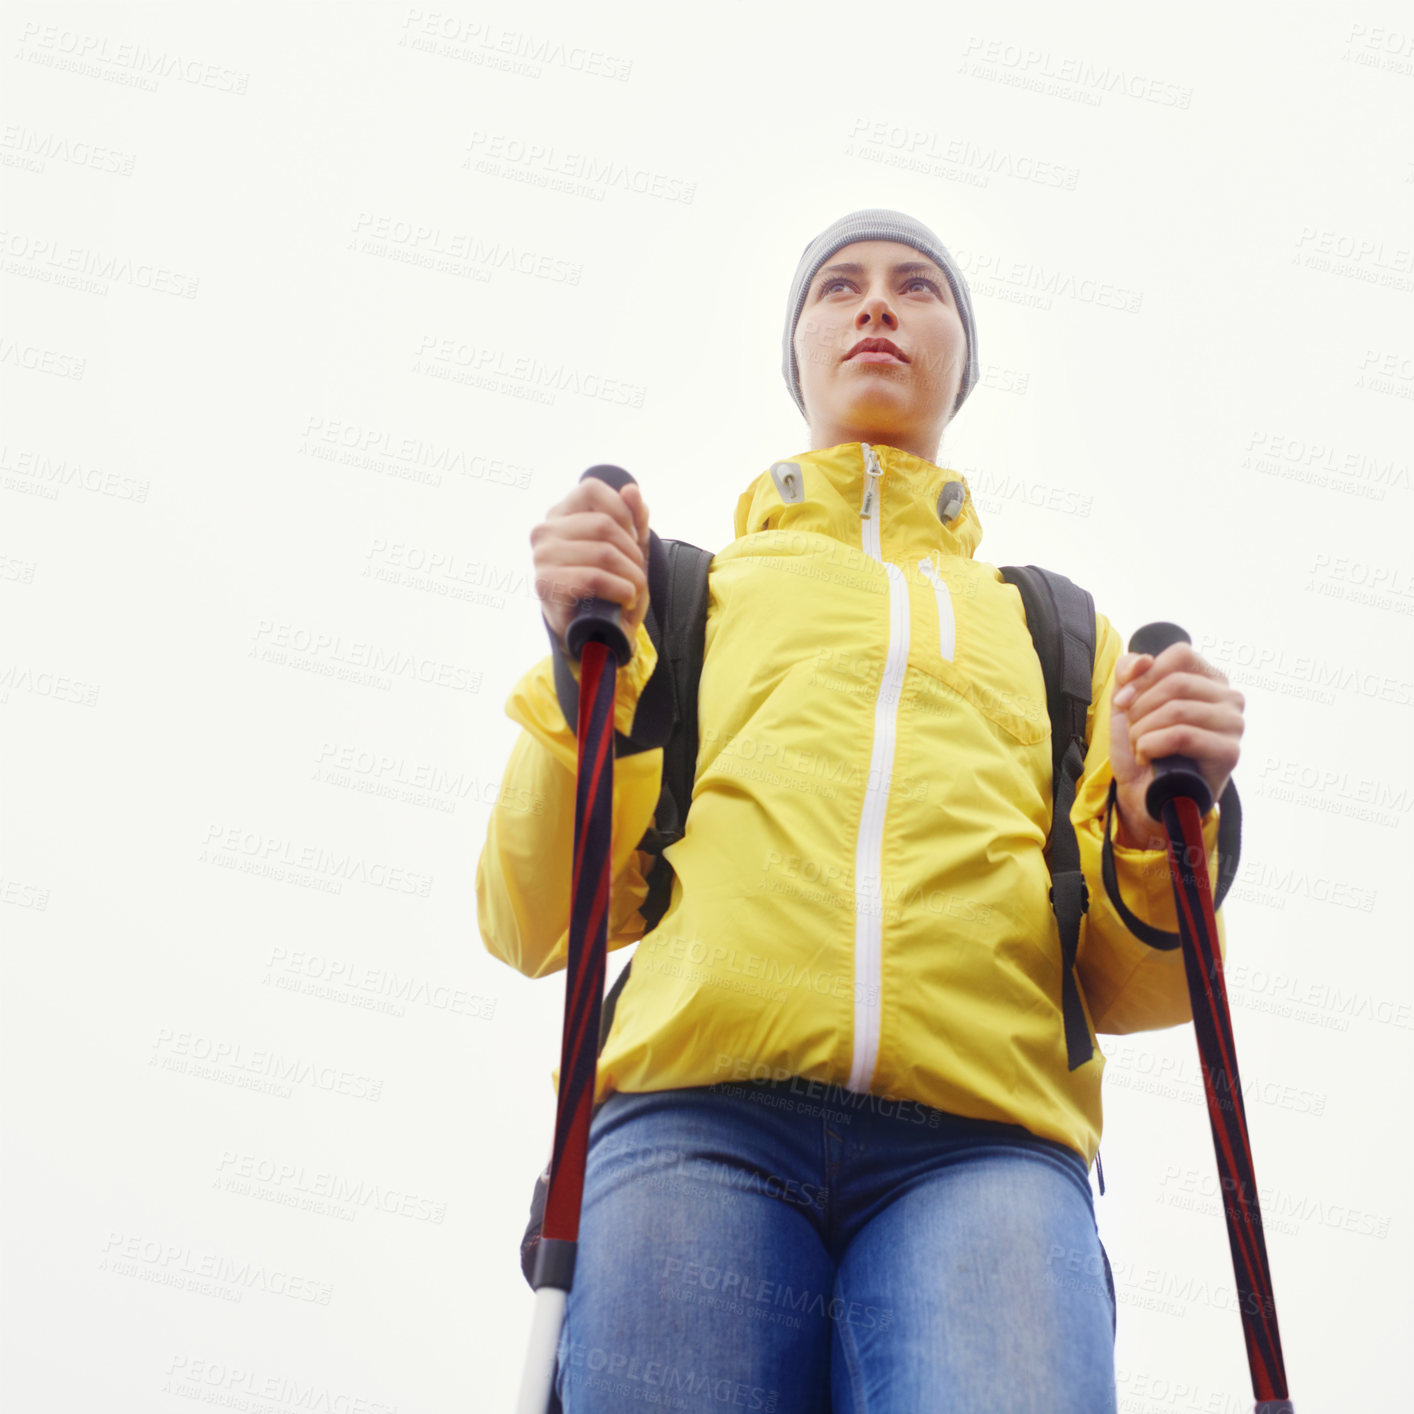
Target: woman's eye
914,280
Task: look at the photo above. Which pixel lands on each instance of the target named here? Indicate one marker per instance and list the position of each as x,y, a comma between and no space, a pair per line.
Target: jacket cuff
1145,880
630,682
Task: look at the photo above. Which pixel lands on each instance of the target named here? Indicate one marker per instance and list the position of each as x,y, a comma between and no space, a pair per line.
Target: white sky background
1231,452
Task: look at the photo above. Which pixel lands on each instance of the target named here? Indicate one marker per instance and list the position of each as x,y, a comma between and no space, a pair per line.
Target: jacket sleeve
523,876
1128,985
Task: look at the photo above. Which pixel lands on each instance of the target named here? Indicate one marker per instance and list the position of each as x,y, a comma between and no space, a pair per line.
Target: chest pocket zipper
947,628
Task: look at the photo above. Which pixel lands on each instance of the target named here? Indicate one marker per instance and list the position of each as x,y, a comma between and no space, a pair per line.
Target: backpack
1061,617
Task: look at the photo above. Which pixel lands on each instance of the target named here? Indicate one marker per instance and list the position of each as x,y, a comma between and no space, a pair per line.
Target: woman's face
889,291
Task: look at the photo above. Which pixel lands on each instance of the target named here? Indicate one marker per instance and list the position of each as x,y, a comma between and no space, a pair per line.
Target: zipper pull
872,474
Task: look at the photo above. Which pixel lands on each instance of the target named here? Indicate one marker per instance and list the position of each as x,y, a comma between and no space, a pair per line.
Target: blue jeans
793,1248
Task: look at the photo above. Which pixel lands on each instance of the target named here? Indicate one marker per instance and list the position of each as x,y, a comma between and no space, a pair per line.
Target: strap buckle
1075,891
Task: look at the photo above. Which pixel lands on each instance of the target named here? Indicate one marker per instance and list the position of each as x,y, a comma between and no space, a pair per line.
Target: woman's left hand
1173,704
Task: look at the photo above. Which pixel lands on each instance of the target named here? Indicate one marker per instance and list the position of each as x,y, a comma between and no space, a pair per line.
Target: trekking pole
1179,797
596,638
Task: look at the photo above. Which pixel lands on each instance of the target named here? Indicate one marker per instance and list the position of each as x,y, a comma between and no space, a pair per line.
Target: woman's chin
884,414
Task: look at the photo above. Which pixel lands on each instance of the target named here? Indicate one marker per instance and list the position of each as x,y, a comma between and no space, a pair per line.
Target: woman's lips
874,356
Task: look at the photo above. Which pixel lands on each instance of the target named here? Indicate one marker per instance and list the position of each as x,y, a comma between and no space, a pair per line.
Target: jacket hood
834,487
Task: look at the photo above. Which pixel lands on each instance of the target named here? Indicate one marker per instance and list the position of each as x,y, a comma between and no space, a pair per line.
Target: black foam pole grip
1173,775
600,620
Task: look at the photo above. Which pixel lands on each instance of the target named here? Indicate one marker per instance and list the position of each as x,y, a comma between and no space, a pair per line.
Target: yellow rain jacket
861,894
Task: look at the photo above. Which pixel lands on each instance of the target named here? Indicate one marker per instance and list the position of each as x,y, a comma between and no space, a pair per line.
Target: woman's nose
876,309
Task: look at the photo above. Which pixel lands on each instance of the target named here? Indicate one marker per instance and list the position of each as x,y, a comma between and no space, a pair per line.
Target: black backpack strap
1061,617
684,630
680,629
1229,852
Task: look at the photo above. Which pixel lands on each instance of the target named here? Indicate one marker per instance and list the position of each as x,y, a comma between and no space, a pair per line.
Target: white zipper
869,508
947,628
868,857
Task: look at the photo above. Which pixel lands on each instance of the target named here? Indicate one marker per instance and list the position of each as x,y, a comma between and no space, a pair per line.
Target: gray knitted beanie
875,224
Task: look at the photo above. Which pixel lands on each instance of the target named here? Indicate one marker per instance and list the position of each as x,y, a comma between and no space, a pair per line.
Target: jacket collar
833,481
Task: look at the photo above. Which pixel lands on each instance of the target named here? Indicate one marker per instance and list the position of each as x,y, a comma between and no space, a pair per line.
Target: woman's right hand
593,544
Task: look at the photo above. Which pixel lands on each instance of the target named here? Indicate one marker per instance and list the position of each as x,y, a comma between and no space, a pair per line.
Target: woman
841,1161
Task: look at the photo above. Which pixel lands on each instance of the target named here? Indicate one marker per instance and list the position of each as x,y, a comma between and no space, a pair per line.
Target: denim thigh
739,1246
972,1275
702,1280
